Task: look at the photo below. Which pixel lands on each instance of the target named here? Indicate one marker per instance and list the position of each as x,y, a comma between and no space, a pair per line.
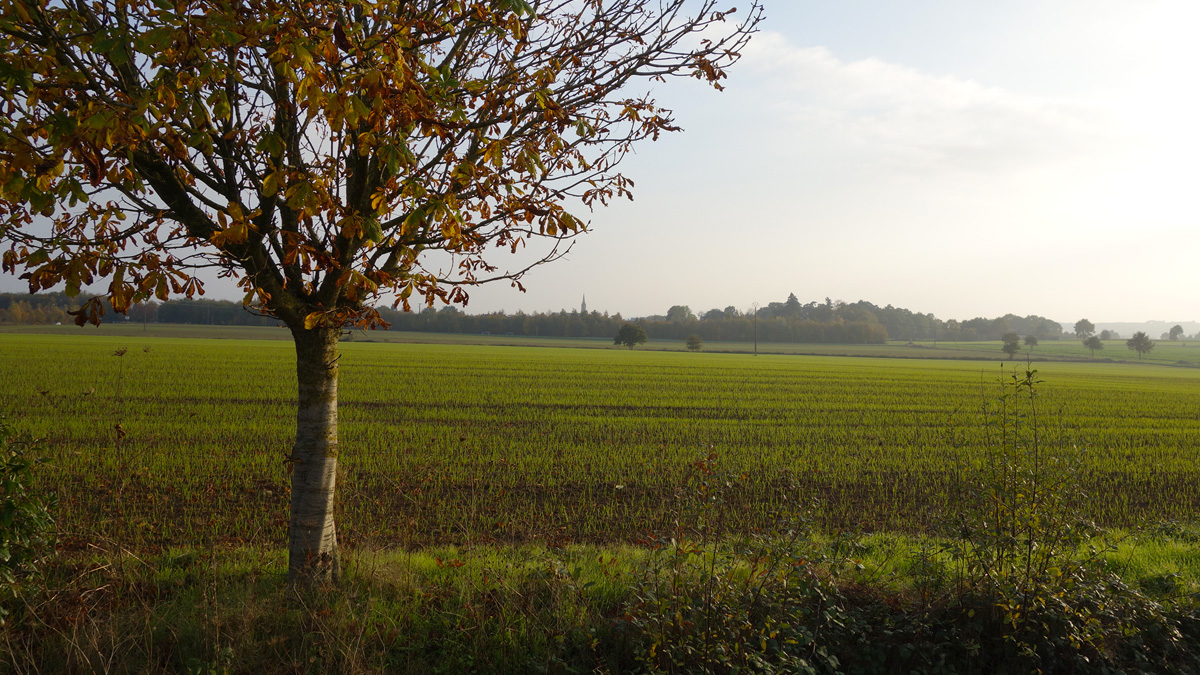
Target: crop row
158,441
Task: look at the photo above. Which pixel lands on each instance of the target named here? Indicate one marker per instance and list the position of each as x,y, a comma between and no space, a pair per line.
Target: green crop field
1184,353
158,441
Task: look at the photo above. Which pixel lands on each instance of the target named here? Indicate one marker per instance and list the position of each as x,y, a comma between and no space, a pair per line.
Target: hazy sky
957,158
949,157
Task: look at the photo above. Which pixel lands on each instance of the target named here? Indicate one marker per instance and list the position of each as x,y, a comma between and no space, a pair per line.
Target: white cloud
895,116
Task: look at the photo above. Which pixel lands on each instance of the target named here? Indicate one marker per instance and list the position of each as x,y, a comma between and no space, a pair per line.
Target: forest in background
827,321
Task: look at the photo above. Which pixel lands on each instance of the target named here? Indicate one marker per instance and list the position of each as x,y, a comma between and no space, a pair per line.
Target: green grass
512,609
457,444
496,503
1182,353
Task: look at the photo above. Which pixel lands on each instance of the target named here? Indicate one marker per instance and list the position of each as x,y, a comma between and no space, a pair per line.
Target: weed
26,523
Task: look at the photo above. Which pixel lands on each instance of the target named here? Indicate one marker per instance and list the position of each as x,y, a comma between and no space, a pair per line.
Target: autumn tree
1140,343
325,156
630,335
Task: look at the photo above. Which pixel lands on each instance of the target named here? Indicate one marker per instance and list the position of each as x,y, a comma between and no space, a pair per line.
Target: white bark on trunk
312,537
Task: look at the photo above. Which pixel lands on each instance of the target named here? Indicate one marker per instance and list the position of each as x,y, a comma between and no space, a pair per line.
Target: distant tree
1084,328
1093,343
1109,335
1176,332
694,342
1012,343
630,335
1031,341
953,329
792,307
1140,343
680,314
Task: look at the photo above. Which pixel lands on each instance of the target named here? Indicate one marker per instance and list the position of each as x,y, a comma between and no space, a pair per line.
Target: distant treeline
732,328
52,308
788,321
43,308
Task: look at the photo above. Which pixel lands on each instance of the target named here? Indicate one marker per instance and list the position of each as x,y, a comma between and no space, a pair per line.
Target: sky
961,159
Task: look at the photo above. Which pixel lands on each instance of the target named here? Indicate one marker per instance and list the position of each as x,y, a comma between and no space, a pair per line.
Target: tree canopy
630,335
1012,343
1093,343
316,151
324,154
1084,328
1140,343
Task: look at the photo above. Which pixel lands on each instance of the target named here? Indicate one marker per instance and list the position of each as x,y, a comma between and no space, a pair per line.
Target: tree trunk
312,538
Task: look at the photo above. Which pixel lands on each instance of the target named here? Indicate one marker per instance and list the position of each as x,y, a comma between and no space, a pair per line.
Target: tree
1109,335
1140,343
1175,333
1093,343
1031,341
630,335
694,343
1012,343
1084,328
323,154
680,314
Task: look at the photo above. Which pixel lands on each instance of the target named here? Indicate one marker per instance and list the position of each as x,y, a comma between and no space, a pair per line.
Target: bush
1016,586
26,526
710,603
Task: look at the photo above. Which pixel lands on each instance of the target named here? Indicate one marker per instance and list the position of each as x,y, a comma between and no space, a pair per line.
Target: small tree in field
324,154
1031,341
1140,343
1175,333
630,335
1093,343
694,342
1012,344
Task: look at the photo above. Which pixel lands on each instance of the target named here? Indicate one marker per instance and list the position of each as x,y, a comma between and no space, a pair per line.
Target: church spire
583,305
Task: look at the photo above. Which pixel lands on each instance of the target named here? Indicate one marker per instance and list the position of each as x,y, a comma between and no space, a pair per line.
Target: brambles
26,526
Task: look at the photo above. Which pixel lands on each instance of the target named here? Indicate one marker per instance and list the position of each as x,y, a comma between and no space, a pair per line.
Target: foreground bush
26,524
674,610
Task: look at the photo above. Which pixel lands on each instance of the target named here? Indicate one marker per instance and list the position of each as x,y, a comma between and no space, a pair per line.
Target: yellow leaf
271,184
378,199
313,320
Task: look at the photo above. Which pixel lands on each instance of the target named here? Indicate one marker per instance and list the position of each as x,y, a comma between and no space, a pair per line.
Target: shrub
26,525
